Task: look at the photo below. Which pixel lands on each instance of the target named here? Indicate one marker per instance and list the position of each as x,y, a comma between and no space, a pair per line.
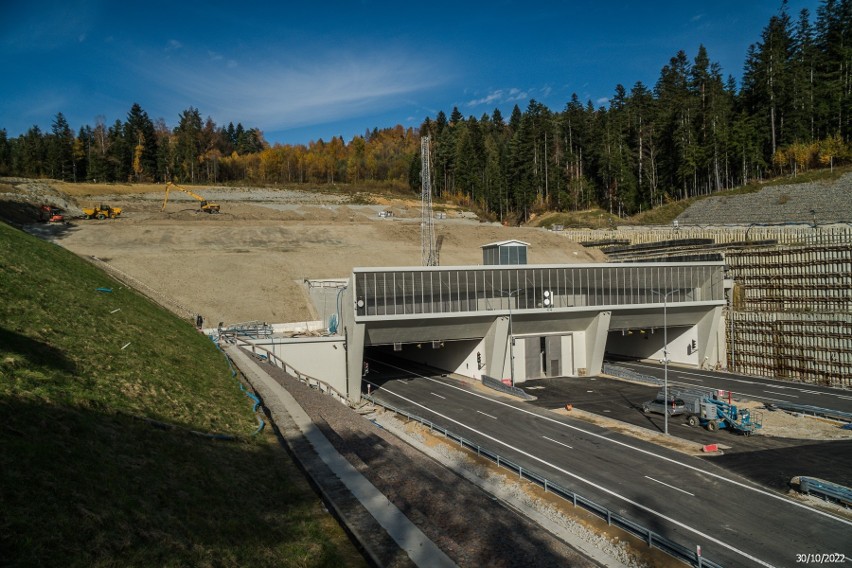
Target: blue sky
300,71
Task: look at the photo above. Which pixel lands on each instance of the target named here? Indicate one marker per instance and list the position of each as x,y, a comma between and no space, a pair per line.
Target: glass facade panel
472,289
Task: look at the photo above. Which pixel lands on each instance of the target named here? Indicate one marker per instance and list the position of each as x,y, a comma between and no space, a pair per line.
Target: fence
268,356
625,373
654,540
783,234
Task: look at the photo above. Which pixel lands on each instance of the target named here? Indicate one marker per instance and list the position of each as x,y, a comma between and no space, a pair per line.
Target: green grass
589,219
86,479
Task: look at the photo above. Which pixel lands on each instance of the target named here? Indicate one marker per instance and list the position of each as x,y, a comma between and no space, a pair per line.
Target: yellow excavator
206,206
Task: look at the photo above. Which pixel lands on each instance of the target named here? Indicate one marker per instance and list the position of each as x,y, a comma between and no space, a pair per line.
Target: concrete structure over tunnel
515,323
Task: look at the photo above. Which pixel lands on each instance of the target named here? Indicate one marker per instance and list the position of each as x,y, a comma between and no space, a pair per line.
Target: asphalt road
754,388
765,459
691,501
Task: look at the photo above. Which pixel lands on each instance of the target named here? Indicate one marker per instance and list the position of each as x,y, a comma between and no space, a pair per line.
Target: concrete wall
322,358
650,345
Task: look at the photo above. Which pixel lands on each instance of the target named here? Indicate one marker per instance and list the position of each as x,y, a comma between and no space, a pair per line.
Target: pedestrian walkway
420,549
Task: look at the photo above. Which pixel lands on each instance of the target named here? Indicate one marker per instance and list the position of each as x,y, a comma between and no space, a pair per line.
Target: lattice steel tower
429,254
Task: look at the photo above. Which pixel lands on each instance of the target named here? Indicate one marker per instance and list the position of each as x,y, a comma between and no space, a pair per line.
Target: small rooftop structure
505,253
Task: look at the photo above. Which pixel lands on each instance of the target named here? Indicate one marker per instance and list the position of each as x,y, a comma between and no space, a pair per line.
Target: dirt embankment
250,262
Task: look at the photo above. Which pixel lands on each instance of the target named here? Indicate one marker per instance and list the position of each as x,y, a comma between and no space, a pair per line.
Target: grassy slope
86,481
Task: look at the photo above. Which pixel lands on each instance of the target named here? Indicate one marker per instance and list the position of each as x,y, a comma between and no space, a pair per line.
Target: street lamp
665,356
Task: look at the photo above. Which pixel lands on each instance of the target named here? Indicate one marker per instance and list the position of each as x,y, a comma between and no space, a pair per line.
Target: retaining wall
792,302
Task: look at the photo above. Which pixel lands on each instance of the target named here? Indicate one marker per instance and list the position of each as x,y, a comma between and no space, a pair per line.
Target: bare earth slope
250,262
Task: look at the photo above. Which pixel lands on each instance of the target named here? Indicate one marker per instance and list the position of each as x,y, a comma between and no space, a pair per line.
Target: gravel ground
471,526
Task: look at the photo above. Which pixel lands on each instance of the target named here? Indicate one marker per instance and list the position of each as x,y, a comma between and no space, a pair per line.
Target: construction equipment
50,214
717,414
206,206
101,211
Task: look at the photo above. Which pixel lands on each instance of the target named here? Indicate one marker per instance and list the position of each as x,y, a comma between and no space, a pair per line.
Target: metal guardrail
271,358
668,546
826,489
815,410
251,329
625,373
495,384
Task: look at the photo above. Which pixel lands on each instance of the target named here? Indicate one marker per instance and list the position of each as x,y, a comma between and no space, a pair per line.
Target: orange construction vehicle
50,214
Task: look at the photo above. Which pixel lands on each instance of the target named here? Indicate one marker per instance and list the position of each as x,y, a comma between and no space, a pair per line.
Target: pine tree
5,153
801,119
766,81
834,69
188,144
60,150
676,125
30,154
119,154
140,137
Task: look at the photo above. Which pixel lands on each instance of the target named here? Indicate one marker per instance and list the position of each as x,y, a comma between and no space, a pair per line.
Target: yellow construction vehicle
206,206
101,211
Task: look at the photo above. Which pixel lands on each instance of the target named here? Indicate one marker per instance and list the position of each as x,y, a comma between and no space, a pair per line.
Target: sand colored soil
250,262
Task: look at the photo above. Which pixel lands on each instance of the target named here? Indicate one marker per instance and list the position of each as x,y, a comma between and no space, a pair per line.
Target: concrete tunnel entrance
464,356
648,343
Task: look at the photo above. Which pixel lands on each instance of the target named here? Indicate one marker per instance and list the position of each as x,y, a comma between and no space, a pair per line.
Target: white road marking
782,394
670,486
488,415
586,481
556,442
439,396
744,381
637,449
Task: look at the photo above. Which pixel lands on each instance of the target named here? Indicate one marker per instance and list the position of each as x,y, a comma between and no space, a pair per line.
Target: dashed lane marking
556,442
670,486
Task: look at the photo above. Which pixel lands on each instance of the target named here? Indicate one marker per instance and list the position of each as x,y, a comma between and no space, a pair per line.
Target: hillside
250,262
822,201
819,195
100,392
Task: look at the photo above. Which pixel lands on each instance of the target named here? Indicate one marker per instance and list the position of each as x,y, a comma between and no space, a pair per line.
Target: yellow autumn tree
138,151
831,148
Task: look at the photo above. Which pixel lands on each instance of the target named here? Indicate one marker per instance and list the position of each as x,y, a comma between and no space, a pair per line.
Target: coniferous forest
694,132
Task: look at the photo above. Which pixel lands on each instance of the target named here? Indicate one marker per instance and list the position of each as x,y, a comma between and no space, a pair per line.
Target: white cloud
280,95
602,101
490,98
500,96
173,45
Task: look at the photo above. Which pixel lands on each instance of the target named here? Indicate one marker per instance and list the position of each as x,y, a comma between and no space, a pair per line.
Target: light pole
665,356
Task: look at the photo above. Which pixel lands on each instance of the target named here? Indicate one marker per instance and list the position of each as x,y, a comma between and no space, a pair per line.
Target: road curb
313,449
